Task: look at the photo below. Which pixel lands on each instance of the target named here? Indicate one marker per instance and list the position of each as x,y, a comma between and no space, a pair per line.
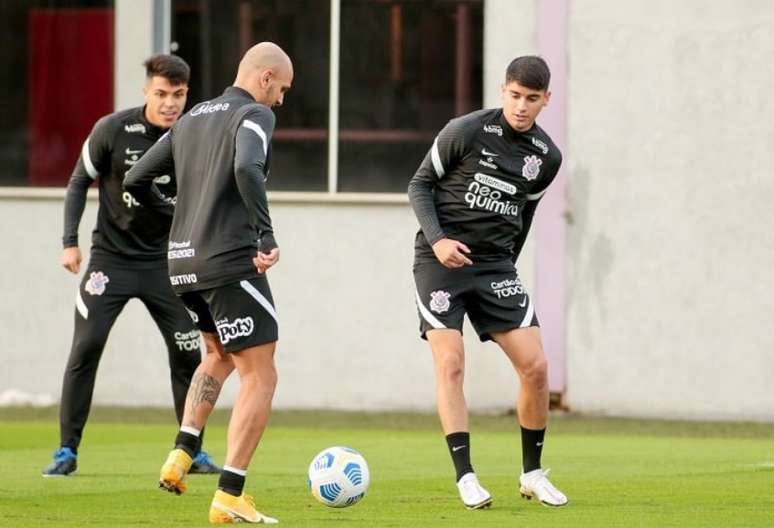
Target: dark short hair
530,71
171,67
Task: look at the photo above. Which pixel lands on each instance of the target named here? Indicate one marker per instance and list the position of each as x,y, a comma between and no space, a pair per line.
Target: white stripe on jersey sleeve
537,196
436,157
255,127
430,318
90,168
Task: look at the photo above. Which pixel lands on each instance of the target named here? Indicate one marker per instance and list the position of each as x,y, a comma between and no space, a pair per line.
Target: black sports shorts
242,313
490,293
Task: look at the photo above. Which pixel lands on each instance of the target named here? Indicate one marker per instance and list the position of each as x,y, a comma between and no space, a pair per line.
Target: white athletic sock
191,430
236,471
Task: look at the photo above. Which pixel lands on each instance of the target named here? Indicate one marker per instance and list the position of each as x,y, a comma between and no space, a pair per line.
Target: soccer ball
338,477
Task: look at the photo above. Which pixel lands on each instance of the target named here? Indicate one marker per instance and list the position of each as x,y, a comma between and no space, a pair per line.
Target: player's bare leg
258,379
206,382
449,361
200,401
524,348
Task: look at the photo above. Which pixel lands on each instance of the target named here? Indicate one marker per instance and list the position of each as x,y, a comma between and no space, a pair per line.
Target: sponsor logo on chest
489,193
135,128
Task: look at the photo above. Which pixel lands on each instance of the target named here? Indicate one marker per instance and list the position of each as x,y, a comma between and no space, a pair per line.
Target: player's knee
536,372
261,384
452,368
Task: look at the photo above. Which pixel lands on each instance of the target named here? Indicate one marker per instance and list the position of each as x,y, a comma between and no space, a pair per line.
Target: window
212,36
60,54
405,68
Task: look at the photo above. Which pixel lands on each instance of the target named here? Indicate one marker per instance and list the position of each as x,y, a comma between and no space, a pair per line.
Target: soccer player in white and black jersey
475,195
128,255
221,244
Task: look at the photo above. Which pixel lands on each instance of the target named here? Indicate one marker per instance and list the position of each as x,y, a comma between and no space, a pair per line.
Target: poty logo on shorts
439,301
531,167
240,327
96,283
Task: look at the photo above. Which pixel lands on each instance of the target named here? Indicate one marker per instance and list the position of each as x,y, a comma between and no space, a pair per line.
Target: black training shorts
242,313
490,293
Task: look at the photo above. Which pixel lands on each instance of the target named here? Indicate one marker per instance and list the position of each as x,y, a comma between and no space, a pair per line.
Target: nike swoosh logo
539,444
523,303
485,153
457,448
129,152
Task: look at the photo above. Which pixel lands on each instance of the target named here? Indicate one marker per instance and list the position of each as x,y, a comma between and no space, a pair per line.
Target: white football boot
473,496
536,484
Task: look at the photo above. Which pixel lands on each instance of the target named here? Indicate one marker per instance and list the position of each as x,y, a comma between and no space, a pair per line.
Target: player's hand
451,253
265,261
71,259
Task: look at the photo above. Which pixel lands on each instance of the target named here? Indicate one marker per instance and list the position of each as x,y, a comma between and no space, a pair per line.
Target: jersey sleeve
448,149
93,160
252,147
158,161
533,198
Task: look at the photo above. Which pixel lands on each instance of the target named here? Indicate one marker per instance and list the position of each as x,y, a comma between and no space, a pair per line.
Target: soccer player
128,255
475,195
224,243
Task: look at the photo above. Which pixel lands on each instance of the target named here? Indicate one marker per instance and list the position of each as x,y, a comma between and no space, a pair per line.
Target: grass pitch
616,472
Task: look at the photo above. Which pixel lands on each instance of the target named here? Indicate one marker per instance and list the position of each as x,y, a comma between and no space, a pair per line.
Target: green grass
616,472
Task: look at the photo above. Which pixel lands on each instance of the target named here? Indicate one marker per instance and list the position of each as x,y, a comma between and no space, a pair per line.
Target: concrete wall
133,44
671,247
344,293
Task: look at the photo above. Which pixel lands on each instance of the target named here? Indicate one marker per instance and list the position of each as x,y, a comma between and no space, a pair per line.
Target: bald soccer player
220,246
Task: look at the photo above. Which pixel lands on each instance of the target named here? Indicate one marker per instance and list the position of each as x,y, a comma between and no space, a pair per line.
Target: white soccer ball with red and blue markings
338,477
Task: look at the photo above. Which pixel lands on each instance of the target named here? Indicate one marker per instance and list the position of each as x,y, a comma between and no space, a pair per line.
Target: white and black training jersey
480,184
124,227
220,152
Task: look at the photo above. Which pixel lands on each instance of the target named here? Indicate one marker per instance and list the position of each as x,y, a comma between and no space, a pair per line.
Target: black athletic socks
531,448
187,442
232,483
459,449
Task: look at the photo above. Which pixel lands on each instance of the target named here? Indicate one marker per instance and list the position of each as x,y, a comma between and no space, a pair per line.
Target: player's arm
447,151
529,209
94,157
253,139
158,161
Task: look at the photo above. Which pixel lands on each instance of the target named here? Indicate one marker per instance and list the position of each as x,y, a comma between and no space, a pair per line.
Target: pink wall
551,227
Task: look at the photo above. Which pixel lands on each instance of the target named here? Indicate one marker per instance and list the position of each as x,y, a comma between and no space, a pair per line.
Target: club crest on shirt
439,301
96,283
531,168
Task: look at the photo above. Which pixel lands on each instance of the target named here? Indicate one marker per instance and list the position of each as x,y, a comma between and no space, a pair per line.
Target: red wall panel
70,76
